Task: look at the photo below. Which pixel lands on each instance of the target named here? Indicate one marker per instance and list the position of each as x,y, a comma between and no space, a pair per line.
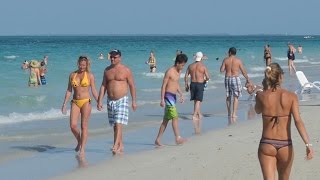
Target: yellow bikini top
152,60
83,83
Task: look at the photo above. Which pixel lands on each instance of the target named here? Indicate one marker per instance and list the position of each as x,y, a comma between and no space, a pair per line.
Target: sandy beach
229,153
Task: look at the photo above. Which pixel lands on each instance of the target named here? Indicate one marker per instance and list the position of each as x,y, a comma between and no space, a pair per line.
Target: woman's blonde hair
272,76
87,60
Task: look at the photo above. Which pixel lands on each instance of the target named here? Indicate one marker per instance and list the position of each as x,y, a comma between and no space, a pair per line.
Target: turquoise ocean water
20,103
26,114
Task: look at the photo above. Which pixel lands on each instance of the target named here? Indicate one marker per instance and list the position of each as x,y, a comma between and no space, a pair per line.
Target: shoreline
138,138
227,153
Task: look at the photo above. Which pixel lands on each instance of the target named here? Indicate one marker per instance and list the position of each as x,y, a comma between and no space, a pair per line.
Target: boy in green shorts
170,86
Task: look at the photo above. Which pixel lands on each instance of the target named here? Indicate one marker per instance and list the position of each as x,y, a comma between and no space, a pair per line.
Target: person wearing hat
199,75
117,80
34,77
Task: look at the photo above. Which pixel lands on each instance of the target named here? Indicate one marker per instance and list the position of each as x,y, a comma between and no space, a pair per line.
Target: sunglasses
115,57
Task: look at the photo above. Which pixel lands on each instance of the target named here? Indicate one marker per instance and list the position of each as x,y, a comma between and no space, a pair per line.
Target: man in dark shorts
199,76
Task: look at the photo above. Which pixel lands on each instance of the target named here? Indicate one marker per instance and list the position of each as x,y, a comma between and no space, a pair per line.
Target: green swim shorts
170,112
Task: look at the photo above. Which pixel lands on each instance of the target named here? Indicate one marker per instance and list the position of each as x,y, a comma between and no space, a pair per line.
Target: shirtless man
199,76
170,87
117,79
232,66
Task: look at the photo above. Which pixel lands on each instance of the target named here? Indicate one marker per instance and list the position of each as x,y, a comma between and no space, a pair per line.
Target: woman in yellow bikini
80,81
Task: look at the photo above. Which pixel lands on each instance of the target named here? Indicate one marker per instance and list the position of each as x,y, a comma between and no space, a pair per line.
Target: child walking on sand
170,86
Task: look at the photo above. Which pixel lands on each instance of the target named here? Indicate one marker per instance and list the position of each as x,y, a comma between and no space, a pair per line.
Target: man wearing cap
199,76
232,66
117,79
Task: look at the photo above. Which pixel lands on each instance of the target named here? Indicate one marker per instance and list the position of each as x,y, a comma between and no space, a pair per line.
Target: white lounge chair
305,85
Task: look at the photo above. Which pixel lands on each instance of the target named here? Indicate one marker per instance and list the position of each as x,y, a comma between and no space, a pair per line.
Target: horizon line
138,34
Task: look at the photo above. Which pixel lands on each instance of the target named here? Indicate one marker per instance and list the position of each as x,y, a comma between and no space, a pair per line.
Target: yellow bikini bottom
80,102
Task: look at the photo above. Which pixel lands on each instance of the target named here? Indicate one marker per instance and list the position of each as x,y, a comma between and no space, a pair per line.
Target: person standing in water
199,75
34,77
267,54
43,71
232,66
300,49
291,57
152,62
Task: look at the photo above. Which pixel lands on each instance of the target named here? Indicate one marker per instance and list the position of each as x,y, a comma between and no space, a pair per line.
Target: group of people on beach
37,71
276,104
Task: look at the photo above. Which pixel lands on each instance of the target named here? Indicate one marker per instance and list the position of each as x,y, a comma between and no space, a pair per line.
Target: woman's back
276,113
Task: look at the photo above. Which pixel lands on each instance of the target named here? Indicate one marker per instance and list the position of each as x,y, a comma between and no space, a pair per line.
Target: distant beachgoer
177,53
152,62
232,66
25,65
34,77
300,49
267,54
43,71
117,79
169,88
277,106
291,57
199,77
45,59
101,56
81,82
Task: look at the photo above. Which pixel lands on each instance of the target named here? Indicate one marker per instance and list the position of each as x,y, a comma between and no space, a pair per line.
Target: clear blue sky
105,17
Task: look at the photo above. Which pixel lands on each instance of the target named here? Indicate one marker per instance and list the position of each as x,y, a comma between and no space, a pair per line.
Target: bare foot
197,131
77,148
120,149
157,143
81,153
115,148
195,117
180,140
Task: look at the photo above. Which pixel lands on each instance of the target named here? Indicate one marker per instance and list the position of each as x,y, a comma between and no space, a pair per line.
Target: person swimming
101,56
